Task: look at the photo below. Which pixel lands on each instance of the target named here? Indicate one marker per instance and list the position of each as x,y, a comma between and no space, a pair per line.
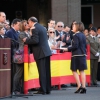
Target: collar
14,29
60,32
77,32
34,23
92,36
2,36
98,35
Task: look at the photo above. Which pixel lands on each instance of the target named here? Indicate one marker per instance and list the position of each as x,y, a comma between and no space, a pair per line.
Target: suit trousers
18,78
13,70
98,72
44,71
93,68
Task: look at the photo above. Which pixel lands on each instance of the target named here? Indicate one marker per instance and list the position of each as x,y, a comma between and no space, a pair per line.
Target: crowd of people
45,41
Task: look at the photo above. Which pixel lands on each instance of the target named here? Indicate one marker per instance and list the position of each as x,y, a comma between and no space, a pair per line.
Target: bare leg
83,78
76,76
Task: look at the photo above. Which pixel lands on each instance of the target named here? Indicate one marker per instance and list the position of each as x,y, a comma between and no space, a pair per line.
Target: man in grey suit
94,54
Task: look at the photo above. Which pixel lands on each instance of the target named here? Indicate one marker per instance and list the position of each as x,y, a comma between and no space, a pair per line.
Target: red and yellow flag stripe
60,70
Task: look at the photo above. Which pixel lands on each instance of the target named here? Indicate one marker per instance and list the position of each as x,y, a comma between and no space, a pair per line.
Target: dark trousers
43,66
98,72
93,68
18,78
13,71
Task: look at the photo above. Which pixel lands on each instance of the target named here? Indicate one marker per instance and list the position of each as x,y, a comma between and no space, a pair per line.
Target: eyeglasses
60,26
51,32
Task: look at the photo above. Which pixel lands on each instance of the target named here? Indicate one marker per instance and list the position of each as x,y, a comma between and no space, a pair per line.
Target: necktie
94,38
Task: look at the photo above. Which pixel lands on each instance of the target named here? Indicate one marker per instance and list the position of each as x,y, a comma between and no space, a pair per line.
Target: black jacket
14,37
68,42
39,41
57,34
78,47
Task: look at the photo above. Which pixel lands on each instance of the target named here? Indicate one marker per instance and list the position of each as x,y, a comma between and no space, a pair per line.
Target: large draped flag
60,69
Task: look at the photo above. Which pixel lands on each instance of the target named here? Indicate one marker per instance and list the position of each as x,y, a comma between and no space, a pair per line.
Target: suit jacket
57,33
71,34
21,36
68,42
14,36
78,47
98,40
39,41
94,46
4,36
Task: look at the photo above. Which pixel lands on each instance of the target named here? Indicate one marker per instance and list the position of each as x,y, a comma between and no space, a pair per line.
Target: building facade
86,11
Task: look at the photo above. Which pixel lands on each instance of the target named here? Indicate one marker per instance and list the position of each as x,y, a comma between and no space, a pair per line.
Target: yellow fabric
58,68
26,71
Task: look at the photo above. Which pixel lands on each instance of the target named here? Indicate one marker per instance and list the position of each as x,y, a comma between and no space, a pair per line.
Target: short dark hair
66,26
50,20
98,28
79,26
93,29
15,21
33,19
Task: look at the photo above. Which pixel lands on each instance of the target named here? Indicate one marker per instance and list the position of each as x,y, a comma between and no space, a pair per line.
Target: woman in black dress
78,59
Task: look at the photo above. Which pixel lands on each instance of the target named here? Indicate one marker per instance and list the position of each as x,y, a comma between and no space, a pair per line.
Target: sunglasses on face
60,26
51,32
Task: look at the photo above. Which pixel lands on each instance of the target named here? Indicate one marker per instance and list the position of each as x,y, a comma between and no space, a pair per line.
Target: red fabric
55,81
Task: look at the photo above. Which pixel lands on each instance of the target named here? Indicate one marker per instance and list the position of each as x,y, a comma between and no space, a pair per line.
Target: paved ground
93,93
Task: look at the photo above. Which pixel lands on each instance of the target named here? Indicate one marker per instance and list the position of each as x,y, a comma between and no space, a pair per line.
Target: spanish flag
60,69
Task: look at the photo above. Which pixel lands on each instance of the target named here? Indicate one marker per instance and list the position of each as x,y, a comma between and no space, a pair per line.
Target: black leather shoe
94,85
16,93
48,92
63,86
73,84
40,92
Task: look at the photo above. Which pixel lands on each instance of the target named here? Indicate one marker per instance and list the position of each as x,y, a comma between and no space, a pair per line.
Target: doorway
87,14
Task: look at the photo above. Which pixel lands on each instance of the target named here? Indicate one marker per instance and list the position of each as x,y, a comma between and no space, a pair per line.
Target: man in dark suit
13,34
41,51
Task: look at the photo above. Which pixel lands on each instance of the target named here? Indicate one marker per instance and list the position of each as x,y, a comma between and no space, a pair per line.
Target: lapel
91,39
26,35
0,36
